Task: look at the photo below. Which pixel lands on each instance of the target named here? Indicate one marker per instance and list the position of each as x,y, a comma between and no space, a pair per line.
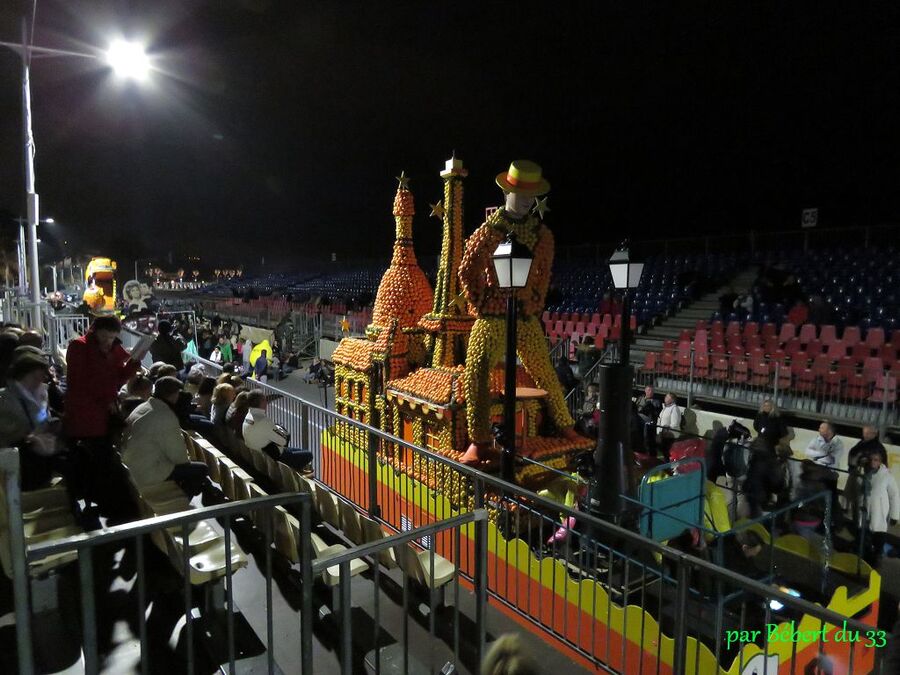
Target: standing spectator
870,443
827,450
587,421
97,366
769,424
565,375
237,412
261,366
246,351
669,423
261,433
225,350
203,400
882,503
648,409
154,448
167,347
215,355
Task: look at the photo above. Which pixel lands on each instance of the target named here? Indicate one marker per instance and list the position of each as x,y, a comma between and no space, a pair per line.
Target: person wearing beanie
168,347
154,449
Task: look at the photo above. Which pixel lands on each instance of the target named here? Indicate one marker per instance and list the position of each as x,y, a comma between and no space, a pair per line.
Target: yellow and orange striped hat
523,177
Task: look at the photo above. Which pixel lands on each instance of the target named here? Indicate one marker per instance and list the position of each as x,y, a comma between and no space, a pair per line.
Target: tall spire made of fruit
449,321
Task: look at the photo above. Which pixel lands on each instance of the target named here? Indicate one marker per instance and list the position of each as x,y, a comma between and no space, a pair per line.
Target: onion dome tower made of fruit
449,321
404,293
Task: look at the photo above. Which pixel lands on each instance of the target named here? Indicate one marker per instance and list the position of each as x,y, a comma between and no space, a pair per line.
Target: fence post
775,386
480,576
306,576
374,511
883,421
678,662
690,395
9,464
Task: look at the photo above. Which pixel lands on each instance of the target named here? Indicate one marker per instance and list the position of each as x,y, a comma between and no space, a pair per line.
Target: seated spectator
586,355
139,386
24,419
31,338
825,448
261,433
154,448
237,411
507,656
203,399
799,313
222,397
193,382
161,369
215,355
882,502
261,367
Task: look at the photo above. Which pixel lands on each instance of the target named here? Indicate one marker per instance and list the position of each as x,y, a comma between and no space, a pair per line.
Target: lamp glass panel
634,274
502,266
619,273
520,269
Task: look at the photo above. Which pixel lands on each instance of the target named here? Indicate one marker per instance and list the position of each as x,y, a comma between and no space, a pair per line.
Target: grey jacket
153,442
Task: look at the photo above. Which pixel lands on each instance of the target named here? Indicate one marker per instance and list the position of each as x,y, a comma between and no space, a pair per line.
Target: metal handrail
147,525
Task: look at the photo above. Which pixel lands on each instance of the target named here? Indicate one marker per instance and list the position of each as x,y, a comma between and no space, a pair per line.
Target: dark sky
275,128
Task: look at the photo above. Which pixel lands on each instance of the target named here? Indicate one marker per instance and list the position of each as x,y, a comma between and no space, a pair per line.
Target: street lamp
125,58
626,275
512,264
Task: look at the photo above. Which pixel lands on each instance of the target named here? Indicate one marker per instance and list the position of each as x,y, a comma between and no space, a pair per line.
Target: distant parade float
100,286
428,371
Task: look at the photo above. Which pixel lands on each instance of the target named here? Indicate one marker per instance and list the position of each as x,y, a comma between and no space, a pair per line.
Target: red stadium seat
701,365
751,328
888,354
667,364
851,335
595,318
545,316
760,370
701,325
768,330
576,317
792,347
807,333
873,364
649,362
788,332
783,376
607,320
875,338
701,340
564,316
860,352
734,328
770,344
800,359
717,327
739,370
684,336
855,388
837,350
828,335
814,348
753,342
683,359
821,365
720,367
885,390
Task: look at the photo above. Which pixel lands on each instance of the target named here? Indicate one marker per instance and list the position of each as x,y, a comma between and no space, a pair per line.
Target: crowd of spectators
108,414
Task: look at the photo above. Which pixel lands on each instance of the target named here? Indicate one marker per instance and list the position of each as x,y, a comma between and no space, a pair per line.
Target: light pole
128,60
22,249
626,275
616,380
512,263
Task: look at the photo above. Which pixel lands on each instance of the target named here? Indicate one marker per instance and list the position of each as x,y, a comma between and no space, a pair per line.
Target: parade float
414,376
100,286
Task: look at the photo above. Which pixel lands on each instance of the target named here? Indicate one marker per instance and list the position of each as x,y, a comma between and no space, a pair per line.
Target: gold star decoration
403,180
540,206
437,210
459,301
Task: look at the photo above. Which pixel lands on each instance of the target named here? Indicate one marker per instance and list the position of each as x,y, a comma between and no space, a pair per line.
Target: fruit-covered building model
407,376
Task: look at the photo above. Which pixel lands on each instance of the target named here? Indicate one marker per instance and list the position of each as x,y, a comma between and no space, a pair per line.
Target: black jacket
168,348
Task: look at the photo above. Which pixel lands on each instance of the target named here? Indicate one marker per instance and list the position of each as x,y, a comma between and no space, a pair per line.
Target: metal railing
570,575
134,533
62,328
869,398
370,552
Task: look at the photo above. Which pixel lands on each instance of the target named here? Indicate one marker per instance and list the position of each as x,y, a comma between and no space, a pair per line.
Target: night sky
275,128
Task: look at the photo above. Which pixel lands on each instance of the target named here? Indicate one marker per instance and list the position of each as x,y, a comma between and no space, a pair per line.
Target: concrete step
679,322
664,332
648,342
706,305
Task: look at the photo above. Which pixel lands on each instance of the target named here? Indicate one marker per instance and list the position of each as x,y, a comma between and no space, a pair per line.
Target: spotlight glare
128,60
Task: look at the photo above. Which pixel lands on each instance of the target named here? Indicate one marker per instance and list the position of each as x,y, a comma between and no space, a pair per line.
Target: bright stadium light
128,60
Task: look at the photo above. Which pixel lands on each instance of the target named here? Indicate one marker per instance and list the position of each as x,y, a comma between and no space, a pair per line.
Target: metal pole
30,194
690,395
509,393
20,249
625,332
9,464
53,267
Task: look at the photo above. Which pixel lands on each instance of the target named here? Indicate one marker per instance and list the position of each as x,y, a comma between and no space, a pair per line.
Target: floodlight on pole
128,60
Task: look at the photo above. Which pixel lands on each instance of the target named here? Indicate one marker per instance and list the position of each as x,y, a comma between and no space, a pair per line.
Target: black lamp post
626,275
616,381
512,263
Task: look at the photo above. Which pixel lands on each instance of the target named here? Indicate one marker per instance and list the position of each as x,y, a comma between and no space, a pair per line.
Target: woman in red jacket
96,367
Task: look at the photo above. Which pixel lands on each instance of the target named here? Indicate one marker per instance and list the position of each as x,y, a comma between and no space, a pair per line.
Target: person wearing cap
167,347
154,449
24,417
521,183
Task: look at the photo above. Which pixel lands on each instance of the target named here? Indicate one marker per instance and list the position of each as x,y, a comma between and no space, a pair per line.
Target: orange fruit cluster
355,353
437,385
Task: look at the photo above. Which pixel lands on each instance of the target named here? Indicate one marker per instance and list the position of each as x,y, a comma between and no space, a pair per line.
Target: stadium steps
686,319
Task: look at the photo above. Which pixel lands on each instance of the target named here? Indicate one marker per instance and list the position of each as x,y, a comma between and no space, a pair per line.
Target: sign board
809,218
